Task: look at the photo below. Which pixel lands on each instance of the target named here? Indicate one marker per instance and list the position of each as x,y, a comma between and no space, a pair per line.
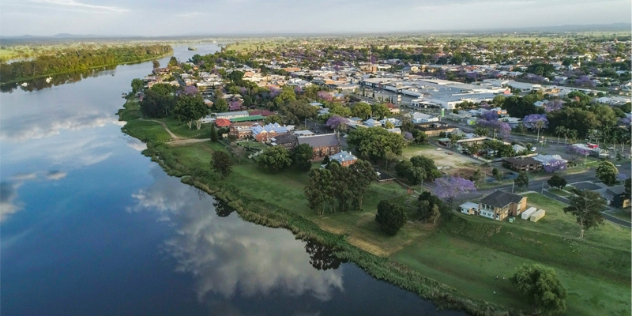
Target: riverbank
462,263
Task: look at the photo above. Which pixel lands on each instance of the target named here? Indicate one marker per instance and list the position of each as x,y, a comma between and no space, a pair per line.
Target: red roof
222,122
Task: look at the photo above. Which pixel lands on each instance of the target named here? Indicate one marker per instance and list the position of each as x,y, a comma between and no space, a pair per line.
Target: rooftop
501,199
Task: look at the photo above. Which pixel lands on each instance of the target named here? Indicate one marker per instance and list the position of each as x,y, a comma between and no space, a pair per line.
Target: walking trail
177,140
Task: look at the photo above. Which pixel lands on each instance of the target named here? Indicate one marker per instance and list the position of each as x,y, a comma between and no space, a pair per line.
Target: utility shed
526,214
537,216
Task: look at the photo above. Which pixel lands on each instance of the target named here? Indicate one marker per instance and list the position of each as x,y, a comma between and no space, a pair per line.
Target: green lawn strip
146,131
557,222
559,192
478,272
181,129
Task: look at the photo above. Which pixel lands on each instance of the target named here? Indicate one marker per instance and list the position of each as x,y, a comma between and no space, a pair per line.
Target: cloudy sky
165,17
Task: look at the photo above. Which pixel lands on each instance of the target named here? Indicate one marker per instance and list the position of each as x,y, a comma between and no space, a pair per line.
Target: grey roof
285,139
586,186
323,140
501,199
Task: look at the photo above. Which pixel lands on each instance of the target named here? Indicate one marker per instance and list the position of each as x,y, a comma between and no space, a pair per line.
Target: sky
216,17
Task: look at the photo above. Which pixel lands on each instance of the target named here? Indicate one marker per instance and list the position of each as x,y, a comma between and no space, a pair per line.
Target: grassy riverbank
459,264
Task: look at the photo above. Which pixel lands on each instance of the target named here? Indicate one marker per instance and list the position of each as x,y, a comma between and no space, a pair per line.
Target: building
252,118
522,164
345,158
266,132
435,128
289,141
499,205
418,118
231,115
323,144
469,208
241,130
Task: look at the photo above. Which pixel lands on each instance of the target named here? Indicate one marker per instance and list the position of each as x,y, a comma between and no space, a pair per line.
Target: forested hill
81,58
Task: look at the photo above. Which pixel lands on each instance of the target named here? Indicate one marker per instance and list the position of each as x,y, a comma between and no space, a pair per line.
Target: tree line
76,59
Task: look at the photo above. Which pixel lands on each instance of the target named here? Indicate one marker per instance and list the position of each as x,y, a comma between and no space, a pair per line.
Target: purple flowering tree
579,150
555,165
584,81
274,92
235,105
324,95
298,90
243,90
335,122
553,106
536,121
490,116
490,120
190,90
450,187
408,136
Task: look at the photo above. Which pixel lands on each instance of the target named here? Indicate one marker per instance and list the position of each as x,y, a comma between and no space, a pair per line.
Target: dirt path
174,136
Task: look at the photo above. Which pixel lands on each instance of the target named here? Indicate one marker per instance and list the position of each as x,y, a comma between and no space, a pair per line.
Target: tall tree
302,156
222,163
189,109
522,180
391,217
375,142
450,187
586,206
607,172
275,158
319,189
214,136
361,110
137,85
362,174
542,288
380,110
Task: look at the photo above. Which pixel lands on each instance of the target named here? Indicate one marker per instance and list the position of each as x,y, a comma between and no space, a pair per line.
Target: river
89,226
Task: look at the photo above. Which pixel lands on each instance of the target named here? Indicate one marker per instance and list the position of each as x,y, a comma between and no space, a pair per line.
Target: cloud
75,4
8,200
135,144
228,255
26,128
21,177
56,175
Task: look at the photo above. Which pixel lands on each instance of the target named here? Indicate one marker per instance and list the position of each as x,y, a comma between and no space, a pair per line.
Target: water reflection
56,80
322,257
229,256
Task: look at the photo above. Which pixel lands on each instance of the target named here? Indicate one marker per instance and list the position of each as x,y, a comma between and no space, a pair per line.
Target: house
435,128
393,108
372,123
241,130
499,205
469,208
222,122
614,196
522,164
323,144
289,141
393,121
345,158
266,132
304,133
231,115
418,118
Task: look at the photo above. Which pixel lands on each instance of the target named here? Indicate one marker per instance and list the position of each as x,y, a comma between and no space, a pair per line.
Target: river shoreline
261,212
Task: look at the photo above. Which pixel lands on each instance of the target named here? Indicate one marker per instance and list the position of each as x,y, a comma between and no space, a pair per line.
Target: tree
319,189
557,182
431,171
375,142
496,173
586,206
173,61
627,187
390,217
522,180
271,119
361,110
560,130
389,125
337,122
214,136
607,172
361,176
275,158
380,110
542,287
157,103
190,108
220,105
137,85
302,156
297,111
450,187
221,163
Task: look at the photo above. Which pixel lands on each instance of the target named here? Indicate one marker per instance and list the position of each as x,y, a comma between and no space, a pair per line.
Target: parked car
534,149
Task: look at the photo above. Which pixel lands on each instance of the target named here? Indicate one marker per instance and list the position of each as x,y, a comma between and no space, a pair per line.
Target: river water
89,226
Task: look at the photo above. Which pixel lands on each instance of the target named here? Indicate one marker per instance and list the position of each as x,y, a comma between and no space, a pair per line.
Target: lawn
559,192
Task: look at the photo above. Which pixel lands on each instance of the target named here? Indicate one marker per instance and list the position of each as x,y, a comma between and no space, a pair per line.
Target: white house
423,118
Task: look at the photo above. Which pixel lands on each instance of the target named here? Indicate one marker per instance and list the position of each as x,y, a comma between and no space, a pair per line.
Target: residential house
393,121
614,196
419,118
323,144
499,205
372,123
345,158
522,164
393,108
435,128
222,122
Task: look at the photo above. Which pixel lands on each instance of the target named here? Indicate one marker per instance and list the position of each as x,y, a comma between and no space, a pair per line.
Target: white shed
526,214
469,208
537,216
